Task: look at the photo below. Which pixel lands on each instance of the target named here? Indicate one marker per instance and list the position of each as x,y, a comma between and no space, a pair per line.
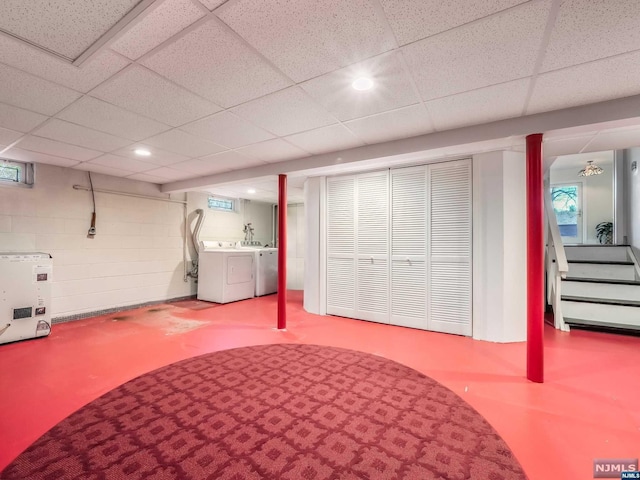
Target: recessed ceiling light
251,190
143,152
362,83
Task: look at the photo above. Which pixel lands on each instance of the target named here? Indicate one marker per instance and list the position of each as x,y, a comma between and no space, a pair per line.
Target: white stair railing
557,265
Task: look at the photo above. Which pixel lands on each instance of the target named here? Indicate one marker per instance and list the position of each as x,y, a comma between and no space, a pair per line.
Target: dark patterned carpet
286,412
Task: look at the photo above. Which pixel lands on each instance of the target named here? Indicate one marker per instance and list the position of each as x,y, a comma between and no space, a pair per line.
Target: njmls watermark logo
616,468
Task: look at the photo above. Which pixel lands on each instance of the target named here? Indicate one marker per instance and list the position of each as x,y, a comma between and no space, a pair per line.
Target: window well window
15,173
220,203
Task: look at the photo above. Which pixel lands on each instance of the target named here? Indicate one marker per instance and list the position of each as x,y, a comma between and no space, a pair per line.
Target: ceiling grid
210,86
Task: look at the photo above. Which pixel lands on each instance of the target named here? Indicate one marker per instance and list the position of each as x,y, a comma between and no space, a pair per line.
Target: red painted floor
589,406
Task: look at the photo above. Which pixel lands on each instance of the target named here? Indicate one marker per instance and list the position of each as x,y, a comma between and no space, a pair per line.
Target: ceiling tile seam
201,6
40,125
42,78
377,6
174,38
242,40
101,153
414,85
175,84
476,89
476,20
134,64
152,165
124,31
103,41
630,52
542,52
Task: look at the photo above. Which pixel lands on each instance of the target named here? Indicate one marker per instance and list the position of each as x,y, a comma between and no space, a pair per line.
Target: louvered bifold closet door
372,241
341,236
450,247
409,247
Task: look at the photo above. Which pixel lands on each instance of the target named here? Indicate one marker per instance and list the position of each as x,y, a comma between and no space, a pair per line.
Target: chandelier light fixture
590,170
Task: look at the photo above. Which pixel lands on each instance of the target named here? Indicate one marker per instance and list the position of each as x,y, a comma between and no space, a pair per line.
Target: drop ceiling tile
276,150
285,112
94,168
67,28
588,83
18,119
479,106
58,149
229,74
493,50
325,139
232,160
197,166
306,38
158,156
108,118
26,91
586,30
142,91
413,20
7,137
162,23
30,156
180,142
93,72
565,145
123,163
614,140
144,177
402,123
169,174
212,4
392,88
67,132
227,129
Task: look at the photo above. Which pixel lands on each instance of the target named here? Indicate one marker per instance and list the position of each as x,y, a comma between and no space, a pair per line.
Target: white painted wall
597,194
135,257
228,226
632,206
314,302
295,246
499,247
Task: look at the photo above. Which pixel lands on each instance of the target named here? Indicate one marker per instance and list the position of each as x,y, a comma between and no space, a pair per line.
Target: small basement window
220,203
15,173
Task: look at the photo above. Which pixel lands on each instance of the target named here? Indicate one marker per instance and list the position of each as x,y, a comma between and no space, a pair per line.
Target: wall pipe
535,259
160,199
282,252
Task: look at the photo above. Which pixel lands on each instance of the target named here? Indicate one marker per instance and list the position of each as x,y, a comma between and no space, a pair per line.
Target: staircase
602,288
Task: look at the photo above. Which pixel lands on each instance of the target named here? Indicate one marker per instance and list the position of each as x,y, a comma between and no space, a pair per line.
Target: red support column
282,252
535,260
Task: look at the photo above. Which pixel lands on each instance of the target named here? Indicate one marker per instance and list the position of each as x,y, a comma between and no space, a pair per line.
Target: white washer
266,267
225,274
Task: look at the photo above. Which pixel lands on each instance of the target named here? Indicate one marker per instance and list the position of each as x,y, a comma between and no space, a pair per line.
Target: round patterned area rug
286,412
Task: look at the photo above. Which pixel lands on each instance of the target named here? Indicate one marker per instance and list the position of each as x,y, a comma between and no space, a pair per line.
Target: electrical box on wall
25,295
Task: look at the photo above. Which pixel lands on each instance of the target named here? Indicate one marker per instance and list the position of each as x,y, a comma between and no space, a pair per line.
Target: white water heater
25,295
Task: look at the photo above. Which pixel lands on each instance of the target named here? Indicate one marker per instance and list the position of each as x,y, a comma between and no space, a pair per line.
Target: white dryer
225,274
266,259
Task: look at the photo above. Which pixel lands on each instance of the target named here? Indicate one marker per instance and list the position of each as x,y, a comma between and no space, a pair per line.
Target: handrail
556,238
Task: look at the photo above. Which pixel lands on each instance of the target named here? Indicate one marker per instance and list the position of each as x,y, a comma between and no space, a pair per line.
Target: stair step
602,301
601,262
589,245
601,280
608,328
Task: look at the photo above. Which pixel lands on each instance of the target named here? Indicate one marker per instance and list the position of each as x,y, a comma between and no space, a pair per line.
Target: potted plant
604,232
